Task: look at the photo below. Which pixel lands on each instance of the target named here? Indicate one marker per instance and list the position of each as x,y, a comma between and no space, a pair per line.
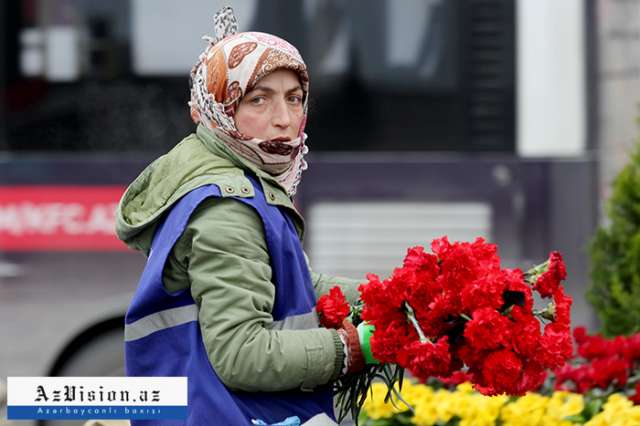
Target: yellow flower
426,410
481,410
465,387
528,410
433,407
617,411
561,405
375,406
414,393
472,408
633,416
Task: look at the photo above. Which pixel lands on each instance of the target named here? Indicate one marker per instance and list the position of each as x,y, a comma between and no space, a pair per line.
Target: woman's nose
280,115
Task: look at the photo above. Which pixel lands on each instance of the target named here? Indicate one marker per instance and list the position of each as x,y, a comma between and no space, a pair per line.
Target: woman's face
273,109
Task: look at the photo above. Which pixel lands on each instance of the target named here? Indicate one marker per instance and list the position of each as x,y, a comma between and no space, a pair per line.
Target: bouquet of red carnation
456,312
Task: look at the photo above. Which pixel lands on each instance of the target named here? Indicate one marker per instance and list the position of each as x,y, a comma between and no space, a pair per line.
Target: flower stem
532,274
412,317
465,316
548,313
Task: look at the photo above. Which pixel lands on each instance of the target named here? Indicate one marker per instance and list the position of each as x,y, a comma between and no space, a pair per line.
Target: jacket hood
191,163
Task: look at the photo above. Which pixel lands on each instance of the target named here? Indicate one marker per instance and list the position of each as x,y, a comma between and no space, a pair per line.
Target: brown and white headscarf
229,67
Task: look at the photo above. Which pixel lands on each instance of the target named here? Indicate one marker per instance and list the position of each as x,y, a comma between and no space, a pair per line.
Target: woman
227,297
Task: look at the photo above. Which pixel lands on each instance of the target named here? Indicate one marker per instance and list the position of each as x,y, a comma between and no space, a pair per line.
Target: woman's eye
295,99
258,100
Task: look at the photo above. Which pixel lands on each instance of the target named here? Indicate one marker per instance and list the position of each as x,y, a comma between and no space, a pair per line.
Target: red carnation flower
532,378
424,269
441,247
501,372
332,308
434,319
515,283
632,348
526,332
562,304
425,265
469,355
580,334
636,396
593,347
607,370
485,292
426,359
486,254
397,287
487,330
549,281
389,339
456,378
459,267
574,378
374,296
555,346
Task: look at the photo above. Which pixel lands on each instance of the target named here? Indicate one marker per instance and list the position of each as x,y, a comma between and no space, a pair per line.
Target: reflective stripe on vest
160,321
182,315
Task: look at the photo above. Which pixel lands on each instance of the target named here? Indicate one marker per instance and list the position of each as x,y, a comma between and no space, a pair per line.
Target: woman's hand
357,345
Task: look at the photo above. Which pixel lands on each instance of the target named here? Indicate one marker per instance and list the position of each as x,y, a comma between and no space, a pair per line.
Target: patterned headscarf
229,67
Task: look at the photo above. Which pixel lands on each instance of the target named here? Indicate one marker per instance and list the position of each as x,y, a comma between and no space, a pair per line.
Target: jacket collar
274,193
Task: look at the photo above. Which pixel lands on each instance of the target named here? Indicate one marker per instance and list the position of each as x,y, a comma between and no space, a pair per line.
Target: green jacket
222,257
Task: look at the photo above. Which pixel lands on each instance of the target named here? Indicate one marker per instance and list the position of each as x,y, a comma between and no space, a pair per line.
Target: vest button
244,190
228,189
272,196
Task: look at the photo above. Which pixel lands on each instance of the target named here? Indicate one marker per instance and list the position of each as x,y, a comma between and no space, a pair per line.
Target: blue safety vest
163,338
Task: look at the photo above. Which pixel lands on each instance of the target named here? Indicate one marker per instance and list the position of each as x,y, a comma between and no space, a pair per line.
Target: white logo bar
97,391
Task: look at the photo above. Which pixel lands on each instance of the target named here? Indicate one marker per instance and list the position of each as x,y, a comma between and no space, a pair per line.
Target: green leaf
404,419
351,390
593,407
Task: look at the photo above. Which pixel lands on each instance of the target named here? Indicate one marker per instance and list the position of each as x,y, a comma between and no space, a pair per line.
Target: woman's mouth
277,146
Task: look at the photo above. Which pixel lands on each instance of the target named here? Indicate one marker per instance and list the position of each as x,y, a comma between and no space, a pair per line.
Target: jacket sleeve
322,283
224,252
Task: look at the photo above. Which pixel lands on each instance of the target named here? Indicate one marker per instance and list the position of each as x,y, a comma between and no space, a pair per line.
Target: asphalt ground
53,296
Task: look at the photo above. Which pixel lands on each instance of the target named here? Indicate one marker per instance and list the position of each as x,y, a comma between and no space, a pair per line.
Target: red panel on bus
59,218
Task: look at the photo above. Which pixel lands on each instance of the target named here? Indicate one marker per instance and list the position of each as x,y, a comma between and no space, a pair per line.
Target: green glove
365,331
